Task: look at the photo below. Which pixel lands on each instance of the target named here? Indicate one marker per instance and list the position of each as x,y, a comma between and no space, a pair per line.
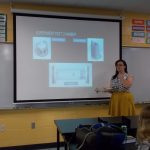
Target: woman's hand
96,90
126,80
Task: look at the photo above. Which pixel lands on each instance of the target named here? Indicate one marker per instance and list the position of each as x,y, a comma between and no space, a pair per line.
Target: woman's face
120,67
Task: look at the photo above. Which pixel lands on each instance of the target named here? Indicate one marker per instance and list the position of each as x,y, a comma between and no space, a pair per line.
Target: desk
66,127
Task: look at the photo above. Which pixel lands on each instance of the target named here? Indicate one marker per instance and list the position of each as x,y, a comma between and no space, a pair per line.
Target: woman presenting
122,100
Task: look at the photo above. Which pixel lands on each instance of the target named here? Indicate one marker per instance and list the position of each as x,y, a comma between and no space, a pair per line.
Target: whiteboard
138,60
6,75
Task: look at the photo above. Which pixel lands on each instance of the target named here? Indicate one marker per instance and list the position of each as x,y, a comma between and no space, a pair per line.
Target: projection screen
63,58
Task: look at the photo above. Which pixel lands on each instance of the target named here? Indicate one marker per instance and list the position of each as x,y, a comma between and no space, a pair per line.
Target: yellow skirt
122,104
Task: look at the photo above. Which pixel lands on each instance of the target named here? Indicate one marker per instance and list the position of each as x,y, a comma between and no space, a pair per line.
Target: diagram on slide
70,75
41,48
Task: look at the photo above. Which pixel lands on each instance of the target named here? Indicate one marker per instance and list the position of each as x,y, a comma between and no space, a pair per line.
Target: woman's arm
126,81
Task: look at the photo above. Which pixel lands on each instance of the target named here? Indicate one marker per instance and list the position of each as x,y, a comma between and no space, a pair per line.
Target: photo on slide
95,48
41,48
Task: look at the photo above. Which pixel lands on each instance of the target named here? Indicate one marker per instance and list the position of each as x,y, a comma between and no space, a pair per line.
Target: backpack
100,136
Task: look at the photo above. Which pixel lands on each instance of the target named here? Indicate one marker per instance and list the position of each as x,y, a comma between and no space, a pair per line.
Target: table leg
58,140
66,146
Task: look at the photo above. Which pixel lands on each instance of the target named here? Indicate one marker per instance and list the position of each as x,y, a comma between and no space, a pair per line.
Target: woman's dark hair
125,64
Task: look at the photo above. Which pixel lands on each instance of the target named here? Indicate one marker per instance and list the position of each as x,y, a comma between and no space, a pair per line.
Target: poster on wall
140,31
3,27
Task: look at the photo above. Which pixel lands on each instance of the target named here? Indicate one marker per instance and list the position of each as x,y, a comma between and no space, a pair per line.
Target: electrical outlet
2,127
32,125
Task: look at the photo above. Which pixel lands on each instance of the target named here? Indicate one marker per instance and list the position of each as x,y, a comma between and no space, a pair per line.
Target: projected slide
70,75
67,57
41,48
95,48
